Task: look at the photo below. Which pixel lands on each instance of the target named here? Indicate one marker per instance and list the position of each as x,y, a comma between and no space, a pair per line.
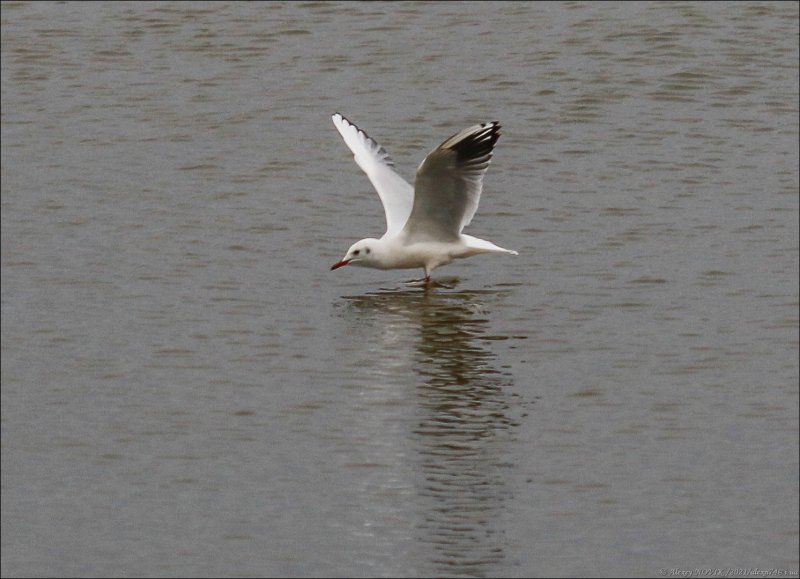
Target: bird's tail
478,245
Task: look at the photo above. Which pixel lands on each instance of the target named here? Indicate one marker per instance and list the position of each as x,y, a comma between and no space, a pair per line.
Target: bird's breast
424,254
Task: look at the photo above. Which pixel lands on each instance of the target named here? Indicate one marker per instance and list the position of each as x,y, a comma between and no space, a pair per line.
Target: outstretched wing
396,194
449,183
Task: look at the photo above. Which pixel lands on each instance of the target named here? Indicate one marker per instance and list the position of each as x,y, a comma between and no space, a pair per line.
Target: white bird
424,222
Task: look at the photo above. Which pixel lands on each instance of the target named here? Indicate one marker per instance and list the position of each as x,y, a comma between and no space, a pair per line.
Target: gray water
187,390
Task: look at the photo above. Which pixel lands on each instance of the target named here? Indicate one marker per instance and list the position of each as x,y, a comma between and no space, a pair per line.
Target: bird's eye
356,252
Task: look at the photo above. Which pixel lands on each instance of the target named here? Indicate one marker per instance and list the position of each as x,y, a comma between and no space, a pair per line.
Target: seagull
424,222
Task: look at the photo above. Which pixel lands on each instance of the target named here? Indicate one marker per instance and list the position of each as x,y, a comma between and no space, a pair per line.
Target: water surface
187,390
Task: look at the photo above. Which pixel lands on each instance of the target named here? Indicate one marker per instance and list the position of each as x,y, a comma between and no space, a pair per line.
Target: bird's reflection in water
462,425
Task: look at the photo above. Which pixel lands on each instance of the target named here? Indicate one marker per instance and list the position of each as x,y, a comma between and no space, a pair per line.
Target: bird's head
361,253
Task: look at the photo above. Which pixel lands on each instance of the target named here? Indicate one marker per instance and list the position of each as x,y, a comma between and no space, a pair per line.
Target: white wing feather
396,194
448,184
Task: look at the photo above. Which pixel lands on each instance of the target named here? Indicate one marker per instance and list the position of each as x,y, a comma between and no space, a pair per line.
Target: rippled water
188,391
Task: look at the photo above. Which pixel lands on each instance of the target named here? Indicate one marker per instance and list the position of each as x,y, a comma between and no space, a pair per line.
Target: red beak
339,264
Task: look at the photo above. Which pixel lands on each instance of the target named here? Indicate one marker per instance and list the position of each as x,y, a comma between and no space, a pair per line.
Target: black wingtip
479,144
